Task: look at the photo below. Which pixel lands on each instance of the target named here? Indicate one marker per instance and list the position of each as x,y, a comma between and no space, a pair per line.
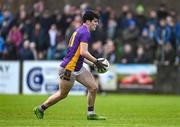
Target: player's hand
100,66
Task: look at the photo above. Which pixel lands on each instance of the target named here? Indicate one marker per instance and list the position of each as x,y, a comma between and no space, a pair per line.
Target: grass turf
120,110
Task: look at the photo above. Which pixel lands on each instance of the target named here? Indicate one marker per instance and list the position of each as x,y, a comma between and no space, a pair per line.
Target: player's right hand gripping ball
102,65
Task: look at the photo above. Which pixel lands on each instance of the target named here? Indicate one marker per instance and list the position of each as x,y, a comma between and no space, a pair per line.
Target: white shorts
69,75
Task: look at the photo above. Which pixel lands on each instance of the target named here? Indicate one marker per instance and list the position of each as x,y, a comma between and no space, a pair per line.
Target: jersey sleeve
84,38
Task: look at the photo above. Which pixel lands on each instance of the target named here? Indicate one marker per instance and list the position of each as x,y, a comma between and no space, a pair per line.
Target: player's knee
62,96
93,89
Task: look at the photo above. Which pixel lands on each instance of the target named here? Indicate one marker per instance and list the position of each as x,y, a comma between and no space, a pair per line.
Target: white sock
90,113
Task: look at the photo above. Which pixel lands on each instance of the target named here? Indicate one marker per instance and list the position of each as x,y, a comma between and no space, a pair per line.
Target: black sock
91,108
42,108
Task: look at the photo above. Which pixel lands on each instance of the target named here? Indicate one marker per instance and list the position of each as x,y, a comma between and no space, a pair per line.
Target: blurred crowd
129,36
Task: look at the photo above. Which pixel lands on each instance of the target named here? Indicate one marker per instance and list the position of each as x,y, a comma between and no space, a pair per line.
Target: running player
72,69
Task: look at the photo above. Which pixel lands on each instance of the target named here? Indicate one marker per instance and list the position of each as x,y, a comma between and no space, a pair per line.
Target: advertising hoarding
9,77
135,76
41,77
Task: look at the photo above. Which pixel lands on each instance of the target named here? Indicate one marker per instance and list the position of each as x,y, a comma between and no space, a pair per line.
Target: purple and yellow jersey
73,61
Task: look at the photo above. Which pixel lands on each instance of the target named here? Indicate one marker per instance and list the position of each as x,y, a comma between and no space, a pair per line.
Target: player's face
93,24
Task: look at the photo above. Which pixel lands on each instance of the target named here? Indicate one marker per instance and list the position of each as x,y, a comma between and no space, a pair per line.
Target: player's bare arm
85,53
88,62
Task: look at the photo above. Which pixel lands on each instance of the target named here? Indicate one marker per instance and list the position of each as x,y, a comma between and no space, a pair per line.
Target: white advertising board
41,77
9,77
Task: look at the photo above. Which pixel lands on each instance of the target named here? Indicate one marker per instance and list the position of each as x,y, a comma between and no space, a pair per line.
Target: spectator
52,42
163,37
140,16
151,31
33,49
27,28
6,23
99,33
168,55
105,16
10,50
38,37
97,49
57,20
41,55
74,25
131,34
119,49
178,42
45,22
152,19
162,12
148,45
21,15
15,36
39,6
128,55
60,51
8,16
111,26
26,53
141,57
171,24
65,19
2,47
172,13
109,51
122,19
163,33
1,18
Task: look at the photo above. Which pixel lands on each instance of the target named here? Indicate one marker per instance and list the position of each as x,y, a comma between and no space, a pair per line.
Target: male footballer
72,69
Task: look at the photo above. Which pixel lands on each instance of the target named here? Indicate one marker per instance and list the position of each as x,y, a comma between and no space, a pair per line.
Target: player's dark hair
90,15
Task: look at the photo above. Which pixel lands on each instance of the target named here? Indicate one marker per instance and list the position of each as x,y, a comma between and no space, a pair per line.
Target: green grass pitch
121,111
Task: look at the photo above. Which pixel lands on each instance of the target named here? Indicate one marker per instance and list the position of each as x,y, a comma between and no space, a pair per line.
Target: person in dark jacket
26,53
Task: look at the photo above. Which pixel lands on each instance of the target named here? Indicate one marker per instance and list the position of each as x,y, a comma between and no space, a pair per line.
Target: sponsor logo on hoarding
35,79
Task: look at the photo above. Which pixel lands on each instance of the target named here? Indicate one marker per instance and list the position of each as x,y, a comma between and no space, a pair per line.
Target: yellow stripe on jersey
72,39
84,43
72,64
